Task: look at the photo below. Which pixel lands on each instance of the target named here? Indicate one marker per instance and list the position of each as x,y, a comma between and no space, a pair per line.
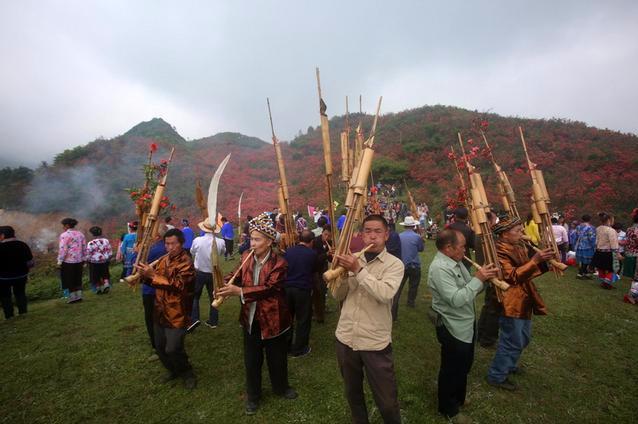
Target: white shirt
560,234
201,251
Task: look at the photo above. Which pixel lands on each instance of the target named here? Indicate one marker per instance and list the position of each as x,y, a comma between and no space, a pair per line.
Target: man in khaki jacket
364,332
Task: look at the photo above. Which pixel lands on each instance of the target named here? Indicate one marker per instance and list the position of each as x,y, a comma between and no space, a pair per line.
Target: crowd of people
281,290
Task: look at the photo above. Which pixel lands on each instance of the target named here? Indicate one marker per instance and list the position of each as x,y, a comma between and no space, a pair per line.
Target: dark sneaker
251,407
303,353
461,419
190,382
505,385
518,371
168,377
290,393
193,326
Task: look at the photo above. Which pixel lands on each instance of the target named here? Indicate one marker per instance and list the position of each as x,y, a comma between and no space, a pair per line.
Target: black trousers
169,345
99,274
413,275
319,298
300,307
276,353
229,247
456,362
71,276
204,279
488,320
379,370
148,300
17,286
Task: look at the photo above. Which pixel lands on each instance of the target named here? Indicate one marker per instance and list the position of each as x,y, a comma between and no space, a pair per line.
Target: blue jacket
188,237
302,263
411,245
393,245
157,251
227,231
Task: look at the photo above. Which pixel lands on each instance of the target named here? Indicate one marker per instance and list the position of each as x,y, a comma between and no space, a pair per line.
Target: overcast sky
75,70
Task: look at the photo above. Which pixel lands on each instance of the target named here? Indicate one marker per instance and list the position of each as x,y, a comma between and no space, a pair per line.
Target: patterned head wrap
505,224
263,224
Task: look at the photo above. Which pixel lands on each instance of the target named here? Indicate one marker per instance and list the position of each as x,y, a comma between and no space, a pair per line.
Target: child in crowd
98,254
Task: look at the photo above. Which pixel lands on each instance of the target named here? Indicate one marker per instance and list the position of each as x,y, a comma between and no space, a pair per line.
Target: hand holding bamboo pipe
333,274
553,262
134,279
219,299
494,281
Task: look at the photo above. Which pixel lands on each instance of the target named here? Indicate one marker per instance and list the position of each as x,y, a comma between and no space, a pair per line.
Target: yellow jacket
531,231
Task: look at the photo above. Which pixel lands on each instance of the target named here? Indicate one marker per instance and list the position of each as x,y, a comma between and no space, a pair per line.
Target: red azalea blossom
484,124
153,147
470,141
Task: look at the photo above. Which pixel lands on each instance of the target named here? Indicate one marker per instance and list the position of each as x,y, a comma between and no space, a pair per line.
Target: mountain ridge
586,168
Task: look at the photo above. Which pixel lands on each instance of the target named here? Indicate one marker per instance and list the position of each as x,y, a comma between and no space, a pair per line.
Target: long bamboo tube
283,194
218,299
508,199
339,271
327,157
494,281
540,207
480,207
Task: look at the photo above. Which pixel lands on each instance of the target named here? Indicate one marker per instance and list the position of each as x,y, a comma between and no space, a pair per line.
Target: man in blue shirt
341,220
411,245
228,234
302,263
188,236
156,251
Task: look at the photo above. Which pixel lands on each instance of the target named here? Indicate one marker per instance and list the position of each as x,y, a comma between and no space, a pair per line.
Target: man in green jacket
453,293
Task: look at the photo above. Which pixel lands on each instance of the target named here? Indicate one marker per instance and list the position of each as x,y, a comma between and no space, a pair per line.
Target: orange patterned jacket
522,299
175,283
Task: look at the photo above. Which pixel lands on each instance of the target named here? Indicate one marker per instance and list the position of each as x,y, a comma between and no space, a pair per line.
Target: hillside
586,169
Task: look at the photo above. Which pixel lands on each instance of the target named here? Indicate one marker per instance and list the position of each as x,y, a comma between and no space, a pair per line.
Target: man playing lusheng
174,279
264,314
520,301
453,294
364,331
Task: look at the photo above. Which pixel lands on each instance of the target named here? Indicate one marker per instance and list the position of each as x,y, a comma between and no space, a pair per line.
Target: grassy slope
86,363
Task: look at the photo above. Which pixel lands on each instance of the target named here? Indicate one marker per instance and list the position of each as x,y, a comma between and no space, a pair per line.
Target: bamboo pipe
327,157
134,279
553,262
218,299
345,160
333,274
494,281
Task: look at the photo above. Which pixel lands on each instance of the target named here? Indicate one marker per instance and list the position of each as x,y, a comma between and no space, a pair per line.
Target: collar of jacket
381,256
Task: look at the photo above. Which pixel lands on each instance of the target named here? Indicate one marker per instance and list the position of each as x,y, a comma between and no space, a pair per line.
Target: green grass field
87,363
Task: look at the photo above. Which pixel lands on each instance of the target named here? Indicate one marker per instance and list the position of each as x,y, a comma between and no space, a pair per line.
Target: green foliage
156,129
389,170
69,156
235,139
14,183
